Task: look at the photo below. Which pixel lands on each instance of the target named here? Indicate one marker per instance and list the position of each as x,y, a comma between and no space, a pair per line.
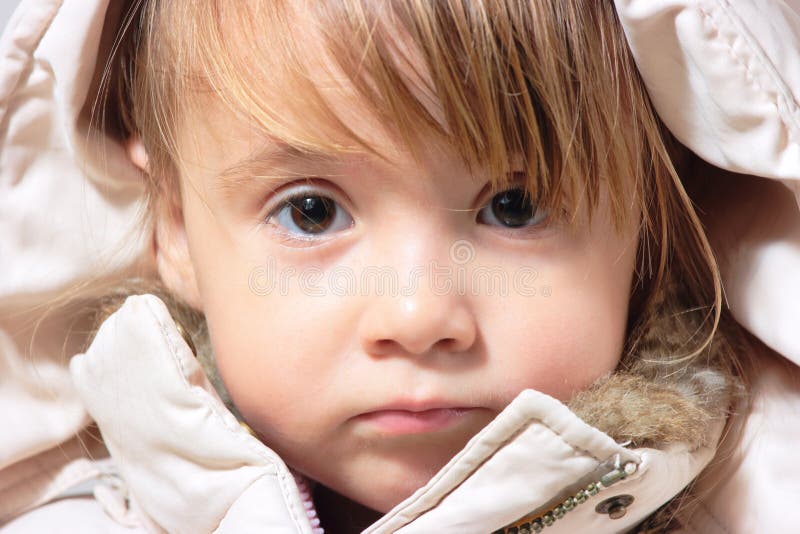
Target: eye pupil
313,213
513,208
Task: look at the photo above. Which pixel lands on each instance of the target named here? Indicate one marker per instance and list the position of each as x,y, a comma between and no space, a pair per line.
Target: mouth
407,421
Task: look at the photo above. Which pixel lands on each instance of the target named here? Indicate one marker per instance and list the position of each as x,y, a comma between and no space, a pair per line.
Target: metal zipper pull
536,523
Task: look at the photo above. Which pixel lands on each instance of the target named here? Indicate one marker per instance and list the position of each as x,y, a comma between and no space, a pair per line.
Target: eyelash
544,219
298,240
286,202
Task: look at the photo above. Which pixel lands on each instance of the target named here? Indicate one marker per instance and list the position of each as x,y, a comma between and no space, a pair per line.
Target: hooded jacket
724,78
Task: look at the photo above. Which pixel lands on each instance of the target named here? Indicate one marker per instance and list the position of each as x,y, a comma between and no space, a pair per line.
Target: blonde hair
551,81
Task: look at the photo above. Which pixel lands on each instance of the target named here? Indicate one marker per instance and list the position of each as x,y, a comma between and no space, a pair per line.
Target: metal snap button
615,507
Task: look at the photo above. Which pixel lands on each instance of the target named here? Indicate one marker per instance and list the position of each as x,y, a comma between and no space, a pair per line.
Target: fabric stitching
762,63
192,390
183,372
528,422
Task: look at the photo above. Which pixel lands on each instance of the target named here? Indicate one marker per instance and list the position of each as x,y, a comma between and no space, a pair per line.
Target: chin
380,473
391,484
382,499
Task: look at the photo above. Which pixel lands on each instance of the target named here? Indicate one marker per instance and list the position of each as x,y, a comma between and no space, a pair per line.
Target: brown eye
312,213
512,208
307,215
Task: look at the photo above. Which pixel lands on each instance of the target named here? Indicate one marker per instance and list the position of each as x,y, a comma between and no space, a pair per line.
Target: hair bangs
513,88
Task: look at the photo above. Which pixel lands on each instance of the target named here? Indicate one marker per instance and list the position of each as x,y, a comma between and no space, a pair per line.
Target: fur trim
652,413
662,393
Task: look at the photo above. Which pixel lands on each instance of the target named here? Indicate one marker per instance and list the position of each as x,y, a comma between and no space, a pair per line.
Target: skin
304,368
301,367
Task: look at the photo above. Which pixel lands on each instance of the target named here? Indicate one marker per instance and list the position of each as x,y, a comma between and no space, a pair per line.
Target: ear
170,246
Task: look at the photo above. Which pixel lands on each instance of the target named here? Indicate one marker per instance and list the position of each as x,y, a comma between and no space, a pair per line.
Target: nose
418,321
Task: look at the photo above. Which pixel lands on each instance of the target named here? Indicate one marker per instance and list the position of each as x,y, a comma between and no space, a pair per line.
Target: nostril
417,327
448,342
382,347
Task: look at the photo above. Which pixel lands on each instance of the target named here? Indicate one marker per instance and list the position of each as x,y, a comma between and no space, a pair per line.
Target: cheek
273,344
562,349
274,354
562,342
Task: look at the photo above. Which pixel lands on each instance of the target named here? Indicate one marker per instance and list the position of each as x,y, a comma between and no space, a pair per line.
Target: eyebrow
267,165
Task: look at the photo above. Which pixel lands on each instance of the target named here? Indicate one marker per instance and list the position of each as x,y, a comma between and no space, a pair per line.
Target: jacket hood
724,78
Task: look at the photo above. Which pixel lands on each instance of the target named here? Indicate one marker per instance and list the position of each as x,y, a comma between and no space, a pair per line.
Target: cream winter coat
725,78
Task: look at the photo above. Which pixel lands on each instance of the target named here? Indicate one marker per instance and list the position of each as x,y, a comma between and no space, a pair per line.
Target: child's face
364,386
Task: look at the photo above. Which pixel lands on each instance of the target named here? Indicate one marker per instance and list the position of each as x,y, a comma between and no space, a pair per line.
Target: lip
416,420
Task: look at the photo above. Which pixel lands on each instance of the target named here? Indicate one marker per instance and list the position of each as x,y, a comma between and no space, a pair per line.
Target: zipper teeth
308,503
532,523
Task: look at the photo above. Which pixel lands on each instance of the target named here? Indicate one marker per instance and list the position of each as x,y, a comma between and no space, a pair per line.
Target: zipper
538,521
302,487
